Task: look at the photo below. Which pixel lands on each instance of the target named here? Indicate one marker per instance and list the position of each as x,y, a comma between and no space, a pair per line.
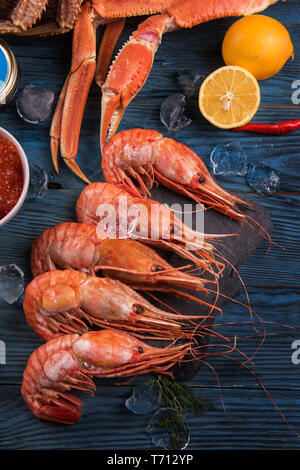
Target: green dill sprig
180,397
174,424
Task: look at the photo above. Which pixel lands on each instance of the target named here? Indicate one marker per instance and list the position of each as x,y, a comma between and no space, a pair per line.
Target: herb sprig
180,397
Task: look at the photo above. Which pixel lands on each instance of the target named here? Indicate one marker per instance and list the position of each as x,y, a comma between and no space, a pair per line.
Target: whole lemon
258,43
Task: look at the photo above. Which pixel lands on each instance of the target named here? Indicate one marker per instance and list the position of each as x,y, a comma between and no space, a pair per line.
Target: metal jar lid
9,73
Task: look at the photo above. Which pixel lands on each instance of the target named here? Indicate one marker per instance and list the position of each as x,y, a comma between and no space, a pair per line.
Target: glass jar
9,74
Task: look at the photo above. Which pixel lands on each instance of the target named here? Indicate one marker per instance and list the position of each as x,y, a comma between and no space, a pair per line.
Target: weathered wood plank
280,152
250,422
193,54
273,362
59,206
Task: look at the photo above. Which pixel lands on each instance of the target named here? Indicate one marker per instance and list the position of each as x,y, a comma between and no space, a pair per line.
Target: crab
49,17
123,80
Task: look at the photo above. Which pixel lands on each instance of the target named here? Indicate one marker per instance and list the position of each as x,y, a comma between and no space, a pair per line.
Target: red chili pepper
278,128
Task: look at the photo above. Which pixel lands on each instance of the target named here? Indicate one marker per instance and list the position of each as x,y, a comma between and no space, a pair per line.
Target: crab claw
122,84
75,168
129,72
54,144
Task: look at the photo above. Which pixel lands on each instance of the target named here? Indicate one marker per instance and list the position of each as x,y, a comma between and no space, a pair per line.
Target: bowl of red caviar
14,176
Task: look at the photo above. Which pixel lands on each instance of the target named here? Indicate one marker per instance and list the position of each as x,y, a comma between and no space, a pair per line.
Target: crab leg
24,15
55,130
111,35
67,12
133,64
67,119
68,115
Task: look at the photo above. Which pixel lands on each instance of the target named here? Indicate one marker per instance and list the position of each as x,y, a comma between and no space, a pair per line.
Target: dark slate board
235,249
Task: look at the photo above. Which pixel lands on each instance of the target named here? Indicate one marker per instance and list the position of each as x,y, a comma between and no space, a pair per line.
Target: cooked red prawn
87,248
71,360
58,302
134,159
151,217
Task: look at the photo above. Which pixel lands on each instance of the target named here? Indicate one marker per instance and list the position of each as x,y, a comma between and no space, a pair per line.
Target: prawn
136,158
155,223
87,248
63,302
70,361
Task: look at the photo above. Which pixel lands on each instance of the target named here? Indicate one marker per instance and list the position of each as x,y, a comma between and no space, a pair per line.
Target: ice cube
34,104
262,178
38,182
172,112
189,82
11,282
229,159
168,429
145,398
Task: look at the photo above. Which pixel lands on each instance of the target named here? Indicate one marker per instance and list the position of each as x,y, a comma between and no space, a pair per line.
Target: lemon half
229,97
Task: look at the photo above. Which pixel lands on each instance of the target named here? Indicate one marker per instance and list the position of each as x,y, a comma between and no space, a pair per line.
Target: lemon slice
229,97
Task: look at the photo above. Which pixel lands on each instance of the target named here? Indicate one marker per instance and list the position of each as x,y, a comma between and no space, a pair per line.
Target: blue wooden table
250,419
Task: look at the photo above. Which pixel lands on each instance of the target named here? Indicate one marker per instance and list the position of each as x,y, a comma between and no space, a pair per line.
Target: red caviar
11,176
